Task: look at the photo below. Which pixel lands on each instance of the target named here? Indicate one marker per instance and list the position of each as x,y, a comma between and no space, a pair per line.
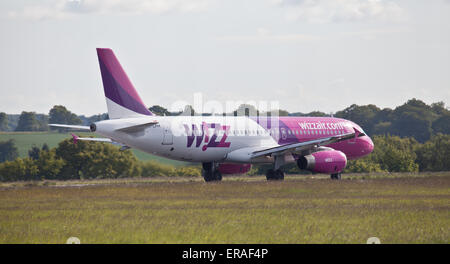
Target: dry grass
237,210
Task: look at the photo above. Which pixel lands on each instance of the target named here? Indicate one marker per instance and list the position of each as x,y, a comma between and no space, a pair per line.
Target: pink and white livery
223,144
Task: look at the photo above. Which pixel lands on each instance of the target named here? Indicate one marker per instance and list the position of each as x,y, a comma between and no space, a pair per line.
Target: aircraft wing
71,126
307,145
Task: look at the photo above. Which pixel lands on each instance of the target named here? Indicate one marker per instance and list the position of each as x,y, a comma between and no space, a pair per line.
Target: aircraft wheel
279,175
274,175
208,175
217,175
270,175
336,176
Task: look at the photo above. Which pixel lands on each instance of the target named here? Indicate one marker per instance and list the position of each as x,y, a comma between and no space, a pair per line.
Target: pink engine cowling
328,161
231,168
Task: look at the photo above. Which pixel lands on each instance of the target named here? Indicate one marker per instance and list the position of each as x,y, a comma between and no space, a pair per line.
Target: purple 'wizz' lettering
210,141
192,135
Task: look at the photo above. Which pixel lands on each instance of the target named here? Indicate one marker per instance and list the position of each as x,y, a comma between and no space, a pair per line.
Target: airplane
223,144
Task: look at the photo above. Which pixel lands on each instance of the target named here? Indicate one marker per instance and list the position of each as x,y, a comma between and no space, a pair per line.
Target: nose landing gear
336,176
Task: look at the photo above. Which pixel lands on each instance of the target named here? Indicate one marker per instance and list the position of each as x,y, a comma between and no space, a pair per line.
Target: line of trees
412,137
396,154
393,154
88,160
84,160
30,121
412,119
8,150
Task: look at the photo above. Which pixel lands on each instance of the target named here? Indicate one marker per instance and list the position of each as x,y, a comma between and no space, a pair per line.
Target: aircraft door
167,136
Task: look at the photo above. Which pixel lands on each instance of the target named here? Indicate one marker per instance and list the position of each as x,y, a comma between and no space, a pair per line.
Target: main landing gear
210,172
276,173
336,176
272,175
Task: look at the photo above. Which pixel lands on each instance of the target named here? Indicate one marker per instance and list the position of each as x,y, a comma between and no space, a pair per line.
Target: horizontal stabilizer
105,140
70,126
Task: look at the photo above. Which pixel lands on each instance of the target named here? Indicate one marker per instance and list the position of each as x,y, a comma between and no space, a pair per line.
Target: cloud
326,11
58,9
264,35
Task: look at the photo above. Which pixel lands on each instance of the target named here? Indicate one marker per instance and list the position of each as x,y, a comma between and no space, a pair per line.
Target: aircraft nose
369,144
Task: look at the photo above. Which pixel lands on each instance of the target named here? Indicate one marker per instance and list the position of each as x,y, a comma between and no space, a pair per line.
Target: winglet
75,138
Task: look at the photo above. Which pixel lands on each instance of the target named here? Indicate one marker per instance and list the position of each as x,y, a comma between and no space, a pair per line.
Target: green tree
19,170
439,108
60,115
188,111
34,152
45,147
362,115
99,117
382,128
413,119
317,113
313,113
363,165
8,150
42,122
188,171
49,166
442,124
434,155
279,112
394,154
94,159
247,110
159,110
411,124
3,122
27,122
391,153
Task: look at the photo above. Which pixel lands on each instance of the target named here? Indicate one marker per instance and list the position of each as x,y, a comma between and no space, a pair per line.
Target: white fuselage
182,137
228,138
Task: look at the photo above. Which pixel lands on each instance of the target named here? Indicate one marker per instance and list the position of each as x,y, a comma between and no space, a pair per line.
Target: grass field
25,140
397,209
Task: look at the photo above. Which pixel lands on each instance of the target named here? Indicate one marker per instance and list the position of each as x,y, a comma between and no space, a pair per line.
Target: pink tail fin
121,96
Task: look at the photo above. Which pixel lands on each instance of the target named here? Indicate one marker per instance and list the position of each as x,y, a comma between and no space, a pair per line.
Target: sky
305,54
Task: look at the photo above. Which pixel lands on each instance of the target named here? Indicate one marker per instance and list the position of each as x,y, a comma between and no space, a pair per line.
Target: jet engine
233,168
328,161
